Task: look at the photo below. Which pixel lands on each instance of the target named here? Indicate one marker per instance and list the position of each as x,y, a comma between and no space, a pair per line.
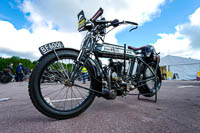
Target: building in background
179,68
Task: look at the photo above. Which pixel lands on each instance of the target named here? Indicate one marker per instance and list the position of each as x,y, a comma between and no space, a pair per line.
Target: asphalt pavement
176,111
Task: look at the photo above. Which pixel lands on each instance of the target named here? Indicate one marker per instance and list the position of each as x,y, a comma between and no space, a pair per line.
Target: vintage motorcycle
125,70
5,76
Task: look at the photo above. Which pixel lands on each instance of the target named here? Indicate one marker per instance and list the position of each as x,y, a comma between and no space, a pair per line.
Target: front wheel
50,90
151,86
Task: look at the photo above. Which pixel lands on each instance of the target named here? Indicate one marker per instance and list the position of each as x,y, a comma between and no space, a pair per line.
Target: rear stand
146,99
154,100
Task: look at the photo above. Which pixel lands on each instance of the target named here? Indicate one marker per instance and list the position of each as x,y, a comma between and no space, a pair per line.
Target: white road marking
48,100
186,86
4,99
62,100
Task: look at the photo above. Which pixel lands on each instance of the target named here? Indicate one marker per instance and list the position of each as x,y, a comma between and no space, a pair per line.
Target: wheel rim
56,90
153,84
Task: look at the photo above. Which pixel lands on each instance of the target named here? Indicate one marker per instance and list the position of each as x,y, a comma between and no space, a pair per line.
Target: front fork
79,64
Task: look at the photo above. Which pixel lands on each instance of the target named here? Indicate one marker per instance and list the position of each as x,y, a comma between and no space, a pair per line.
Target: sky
171,26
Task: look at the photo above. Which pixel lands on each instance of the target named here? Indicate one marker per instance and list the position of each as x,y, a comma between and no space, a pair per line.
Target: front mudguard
96,77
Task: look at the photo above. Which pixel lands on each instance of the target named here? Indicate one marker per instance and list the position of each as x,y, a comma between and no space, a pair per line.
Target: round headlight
148,51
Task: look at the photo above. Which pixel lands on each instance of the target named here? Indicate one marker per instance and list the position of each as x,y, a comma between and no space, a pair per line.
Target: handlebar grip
97,14
129,22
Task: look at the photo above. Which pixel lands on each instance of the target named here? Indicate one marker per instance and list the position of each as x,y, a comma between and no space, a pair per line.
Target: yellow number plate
81,24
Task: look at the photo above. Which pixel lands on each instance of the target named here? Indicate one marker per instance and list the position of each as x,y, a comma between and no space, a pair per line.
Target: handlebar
129,22
115,23
94,24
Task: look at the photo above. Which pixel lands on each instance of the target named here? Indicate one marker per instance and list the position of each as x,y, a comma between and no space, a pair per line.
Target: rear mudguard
96,79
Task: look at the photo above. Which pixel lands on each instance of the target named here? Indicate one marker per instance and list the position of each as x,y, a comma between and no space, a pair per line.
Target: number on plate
50,47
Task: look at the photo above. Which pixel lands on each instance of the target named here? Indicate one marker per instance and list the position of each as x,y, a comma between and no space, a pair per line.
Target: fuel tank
108,50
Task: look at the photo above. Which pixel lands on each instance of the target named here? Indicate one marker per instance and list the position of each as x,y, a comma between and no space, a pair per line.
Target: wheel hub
68,83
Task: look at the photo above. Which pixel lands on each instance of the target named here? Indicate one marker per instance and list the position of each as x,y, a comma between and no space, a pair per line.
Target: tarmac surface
176,111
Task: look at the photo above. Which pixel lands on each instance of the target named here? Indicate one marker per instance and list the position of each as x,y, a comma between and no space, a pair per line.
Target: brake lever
133,28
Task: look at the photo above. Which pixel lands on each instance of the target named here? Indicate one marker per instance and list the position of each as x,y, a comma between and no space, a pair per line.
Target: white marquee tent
181,68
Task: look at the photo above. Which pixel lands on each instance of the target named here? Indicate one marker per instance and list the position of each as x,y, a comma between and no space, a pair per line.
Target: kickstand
155,97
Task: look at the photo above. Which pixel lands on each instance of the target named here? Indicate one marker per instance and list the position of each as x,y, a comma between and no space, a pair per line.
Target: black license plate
50,47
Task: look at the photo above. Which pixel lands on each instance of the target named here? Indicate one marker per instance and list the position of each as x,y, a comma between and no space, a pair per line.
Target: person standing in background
84,74
19,72
10,67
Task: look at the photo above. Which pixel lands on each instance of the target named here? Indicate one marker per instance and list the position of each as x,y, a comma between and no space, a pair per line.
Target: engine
116,68
116,77
116,85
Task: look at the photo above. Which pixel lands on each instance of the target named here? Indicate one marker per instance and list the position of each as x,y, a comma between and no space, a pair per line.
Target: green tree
5,62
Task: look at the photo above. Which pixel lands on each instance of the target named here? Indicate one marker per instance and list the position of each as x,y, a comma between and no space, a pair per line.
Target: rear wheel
50,91
152,86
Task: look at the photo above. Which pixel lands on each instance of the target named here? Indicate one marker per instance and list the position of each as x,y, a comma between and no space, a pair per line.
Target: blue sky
42,21
172,14
10,11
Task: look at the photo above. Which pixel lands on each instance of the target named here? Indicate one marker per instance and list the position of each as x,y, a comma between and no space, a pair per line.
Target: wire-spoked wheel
52,93
151,86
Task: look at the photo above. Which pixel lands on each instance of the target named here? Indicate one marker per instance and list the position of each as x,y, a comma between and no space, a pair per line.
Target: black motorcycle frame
88,48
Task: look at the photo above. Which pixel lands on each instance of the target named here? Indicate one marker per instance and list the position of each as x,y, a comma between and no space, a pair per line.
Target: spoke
71,97
46,86
63,68
75,97
59,73
61,99
56,77
80,93
54,91
59,92
59,68
71,66
66,96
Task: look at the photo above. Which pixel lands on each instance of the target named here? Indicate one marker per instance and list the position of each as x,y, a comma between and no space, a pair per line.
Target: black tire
150,89
36,93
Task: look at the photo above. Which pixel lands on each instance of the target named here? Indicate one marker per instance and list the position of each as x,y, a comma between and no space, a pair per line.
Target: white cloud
57,21
64,12
194,18
24,41
185,41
